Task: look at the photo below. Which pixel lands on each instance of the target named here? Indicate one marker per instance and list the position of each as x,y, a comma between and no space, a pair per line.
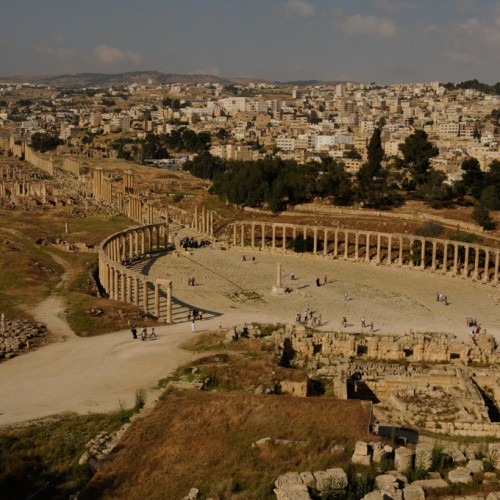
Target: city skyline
386,41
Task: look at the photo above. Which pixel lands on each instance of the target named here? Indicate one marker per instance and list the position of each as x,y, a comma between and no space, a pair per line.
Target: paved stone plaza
396,300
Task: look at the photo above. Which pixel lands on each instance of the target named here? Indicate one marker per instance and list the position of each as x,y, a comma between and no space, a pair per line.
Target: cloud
58,48
299,8
358,25
392,7
482,31
460,57
113,55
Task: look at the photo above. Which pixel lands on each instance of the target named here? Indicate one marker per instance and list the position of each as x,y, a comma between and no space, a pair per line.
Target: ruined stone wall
71,166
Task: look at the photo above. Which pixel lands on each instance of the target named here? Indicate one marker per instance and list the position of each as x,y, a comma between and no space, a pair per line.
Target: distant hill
309,83
80,80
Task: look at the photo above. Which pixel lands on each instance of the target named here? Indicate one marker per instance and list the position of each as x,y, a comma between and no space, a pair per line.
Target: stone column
150,239
253,235
211,223
136,243
169,303
273,245
129,290
123,295
336,244
315,241
145,302
422,255
196,218
367,256
346,245
242,235
465,271
497,267
157,300
234,234
325,242
486,274
136,290
130,246
389,250
284,239
356,247
434,253
143,242
445,258
263,240
278,276
379,249
476,264
158,238
455,261
401,251
412,241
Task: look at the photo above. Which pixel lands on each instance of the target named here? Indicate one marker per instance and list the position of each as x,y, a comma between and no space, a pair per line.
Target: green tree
482,216
490,198
44,142
417,151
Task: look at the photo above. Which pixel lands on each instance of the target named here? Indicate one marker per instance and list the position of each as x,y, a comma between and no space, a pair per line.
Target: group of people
318,280
308,318
195,314
190,242
474,326
144,332
191,281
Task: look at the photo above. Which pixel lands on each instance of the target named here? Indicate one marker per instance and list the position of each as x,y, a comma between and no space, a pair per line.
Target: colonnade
203,221
477,262
126,285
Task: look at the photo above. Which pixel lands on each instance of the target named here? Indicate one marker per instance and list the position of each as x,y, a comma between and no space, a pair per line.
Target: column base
278,290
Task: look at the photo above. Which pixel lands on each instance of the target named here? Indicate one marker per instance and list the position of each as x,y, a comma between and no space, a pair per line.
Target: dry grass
204,440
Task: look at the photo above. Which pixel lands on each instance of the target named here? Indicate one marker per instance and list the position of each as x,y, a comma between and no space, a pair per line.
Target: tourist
153,333
200,315
243,258
220,325
317,282
193,326
371,327
190,314
144,333
346,297
363,323
325,279
292,276
134,331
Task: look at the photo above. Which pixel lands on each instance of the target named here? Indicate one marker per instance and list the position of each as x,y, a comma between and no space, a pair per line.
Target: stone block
331,479
475,466
374,495
460,475
423,456
413,492
308,479
361,459
386,481
431,484
494,454
403,458
493,496
361,448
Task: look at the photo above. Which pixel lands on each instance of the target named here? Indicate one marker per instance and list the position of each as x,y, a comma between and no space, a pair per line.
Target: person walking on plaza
134,331
193,326
325,280
153,333
144,333
363,323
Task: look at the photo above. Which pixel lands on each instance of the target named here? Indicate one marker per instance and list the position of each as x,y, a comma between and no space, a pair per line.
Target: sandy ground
96,374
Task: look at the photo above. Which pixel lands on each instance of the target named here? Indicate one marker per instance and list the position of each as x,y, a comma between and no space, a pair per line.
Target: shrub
140,399
430,230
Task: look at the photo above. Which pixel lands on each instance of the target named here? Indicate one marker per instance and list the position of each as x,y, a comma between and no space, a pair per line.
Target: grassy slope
204,440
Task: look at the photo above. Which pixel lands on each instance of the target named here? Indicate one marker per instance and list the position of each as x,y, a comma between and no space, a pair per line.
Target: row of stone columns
128,182
424,253
203,221
135,209
137,241
11,173
128,286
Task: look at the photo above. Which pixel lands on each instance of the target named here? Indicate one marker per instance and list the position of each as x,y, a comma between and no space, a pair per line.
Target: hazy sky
361,40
